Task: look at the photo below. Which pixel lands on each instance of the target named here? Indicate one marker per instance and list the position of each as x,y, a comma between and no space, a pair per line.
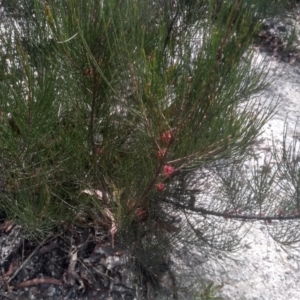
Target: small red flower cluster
161,153
141,214
168,170
166,137
160,186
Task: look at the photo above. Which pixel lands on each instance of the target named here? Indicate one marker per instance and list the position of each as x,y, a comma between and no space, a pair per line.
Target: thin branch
228,215
34,252
36,281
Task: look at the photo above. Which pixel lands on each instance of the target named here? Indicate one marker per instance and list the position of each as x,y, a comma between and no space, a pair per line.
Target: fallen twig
24,263
35,251
5,275
70,275
36,281
47,248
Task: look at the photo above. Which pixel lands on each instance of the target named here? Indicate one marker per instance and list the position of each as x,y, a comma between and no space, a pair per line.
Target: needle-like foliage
126,115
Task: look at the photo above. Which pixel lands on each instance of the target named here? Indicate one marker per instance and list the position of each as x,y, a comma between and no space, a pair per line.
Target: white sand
263,270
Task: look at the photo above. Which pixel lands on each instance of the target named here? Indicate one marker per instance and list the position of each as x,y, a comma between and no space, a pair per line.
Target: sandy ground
262,270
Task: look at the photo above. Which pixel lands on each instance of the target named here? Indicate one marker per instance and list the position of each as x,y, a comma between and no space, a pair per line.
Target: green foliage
114,106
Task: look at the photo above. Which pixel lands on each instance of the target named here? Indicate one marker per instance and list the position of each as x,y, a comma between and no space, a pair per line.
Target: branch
228,30
232,215
36,281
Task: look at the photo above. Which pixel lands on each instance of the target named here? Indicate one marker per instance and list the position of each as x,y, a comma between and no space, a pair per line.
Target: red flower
167,137
161,153
168,170
160,186
141,214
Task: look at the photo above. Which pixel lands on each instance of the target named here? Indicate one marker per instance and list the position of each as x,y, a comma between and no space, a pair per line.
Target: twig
70,275
228,30
35,251
231,215
47,248
148,290
170,29
4,278
24,263
37,281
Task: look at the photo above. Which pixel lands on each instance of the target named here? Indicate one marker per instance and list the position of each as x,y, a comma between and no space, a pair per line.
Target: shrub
121,114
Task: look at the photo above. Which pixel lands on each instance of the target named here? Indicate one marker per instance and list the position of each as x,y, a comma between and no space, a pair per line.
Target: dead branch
70,275
37,281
